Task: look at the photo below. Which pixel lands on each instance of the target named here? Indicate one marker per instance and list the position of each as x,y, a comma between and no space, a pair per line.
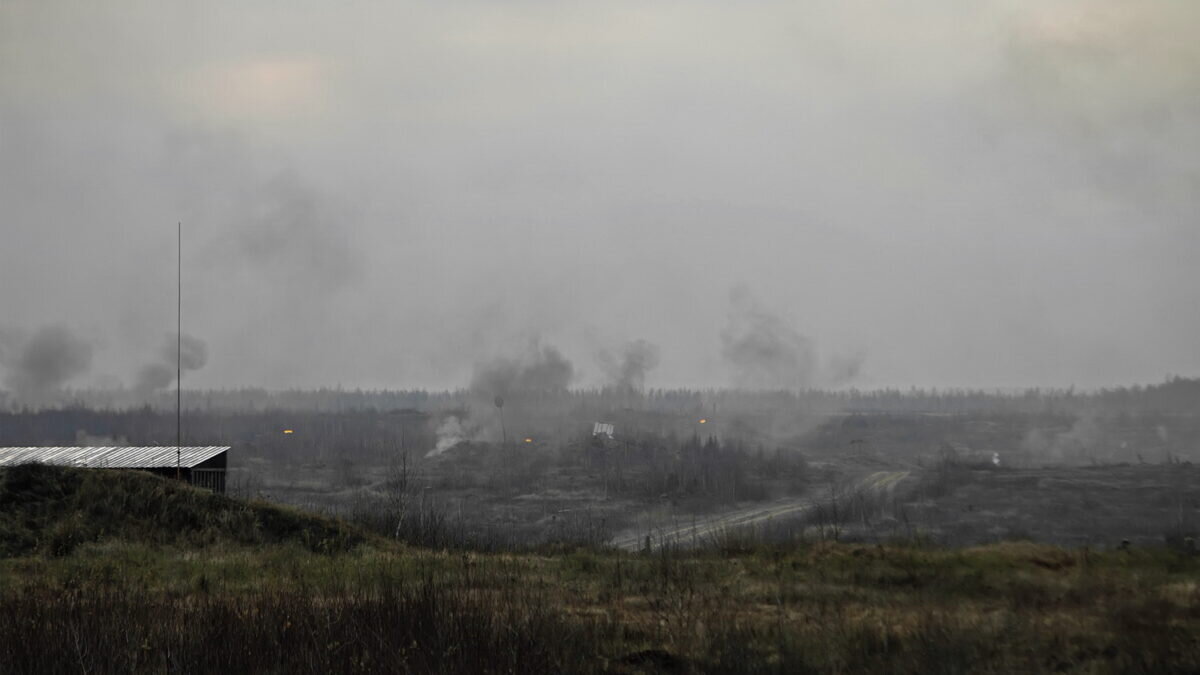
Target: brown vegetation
134,600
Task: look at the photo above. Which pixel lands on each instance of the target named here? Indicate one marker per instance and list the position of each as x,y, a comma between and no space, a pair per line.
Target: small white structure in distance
602,429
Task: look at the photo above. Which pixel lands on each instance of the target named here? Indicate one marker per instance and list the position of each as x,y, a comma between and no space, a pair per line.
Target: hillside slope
50,509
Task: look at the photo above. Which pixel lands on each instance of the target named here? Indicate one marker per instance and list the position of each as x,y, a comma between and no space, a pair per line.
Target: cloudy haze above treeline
825,193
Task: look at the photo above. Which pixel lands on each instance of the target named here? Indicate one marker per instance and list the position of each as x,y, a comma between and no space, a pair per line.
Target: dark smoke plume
193,355
287,229
152,377
627,369
540,369
763,350
510,381
41,365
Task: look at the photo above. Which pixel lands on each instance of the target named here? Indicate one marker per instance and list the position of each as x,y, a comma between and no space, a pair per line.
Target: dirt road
700,529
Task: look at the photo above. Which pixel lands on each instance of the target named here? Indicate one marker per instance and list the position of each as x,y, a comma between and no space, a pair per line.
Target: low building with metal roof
202,466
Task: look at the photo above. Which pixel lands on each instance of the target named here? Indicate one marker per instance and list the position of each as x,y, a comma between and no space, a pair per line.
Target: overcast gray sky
991,193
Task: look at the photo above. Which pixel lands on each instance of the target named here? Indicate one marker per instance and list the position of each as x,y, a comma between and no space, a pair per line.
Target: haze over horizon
991,194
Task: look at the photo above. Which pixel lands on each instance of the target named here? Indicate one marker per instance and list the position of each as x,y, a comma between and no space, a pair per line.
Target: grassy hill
124,572
52,510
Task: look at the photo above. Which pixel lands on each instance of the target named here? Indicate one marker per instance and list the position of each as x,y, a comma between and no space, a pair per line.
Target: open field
896,478
1096,506
116,607
701,530
600,337
761,461
780,541
255,594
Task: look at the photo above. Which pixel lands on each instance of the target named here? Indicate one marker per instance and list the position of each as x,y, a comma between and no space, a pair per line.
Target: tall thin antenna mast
178,350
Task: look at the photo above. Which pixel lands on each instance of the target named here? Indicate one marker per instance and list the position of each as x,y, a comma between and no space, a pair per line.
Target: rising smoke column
764,351
542,368
514,380
286,229
627,368
193,355
40,366
449,434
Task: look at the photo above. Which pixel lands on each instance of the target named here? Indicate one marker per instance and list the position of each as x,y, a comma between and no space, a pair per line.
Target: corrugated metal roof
145,457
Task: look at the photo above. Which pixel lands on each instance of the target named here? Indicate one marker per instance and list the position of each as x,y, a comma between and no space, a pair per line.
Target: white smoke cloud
449,434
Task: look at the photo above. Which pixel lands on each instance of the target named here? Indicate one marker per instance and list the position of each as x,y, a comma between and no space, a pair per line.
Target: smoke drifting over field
764,350
845,369
192,352
448,434
627,368
539,369
288,232
40,365
506,385
986,194
1079,442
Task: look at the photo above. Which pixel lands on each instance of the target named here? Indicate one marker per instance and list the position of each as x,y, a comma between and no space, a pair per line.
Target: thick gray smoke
764,351
844,369
539,369
193,355
429,144
287,230
627,368
39,366
152,377
288,248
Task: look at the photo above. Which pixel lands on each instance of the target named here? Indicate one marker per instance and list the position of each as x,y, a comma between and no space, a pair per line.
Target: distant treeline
366,435
1177,395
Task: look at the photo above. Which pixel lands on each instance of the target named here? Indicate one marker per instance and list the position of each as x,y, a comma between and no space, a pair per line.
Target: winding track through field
701,530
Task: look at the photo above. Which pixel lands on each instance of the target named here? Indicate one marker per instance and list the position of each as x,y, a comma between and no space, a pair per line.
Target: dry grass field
1094,506
260,593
